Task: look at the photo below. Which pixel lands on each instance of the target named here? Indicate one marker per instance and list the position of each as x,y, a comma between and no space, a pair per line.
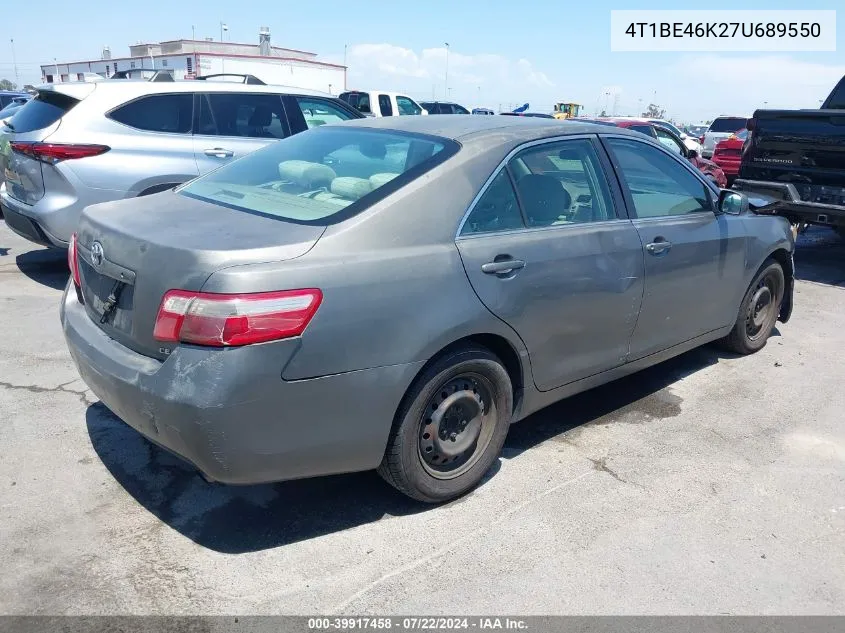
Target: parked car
728,154
392,293
690,141
720,129
11,109
8,97
485,111
666,137
443,107
77,144
794,159
379,103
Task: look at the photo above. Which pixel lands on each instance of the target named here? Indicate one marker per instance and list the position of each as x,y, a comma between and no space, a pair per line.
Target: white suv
380,103
719,130
77,144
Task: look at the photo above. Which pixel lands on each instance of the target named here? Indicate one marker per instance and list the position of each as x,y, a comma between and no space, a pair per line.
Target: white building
188,58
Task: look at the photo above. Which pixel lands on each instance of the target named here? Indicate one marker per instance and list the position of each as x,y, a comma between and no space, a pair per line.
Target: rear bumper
26,222
228,411
56,214
782,198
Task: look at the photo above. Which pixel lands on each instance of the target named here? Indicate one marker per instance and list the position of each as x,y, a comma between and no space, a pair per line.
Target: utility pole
446,83
15,62
345,69
193,32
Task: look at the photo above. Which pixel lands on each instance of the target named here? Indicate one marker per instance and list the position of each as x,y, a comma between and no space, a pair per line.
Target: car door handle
658,247
502,267
219,152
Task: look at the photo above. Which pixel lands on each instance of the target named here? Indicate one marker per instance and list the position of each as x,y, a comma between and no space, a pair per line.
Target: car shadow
47,267
820,257
637,398
236,519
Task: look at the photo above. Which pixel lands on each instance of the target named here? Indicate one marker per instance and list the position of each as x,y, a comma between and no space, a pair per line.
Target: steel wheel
763,307
456,425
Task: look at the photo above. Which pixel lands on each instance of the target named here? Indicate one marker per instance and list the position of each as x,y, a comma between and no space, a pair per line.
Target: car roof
14,93
139,88
625,121
459,127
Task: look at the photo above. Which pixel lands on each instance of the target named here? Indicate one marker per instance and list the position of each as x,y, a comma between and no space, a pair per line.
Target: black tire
758,311
458,410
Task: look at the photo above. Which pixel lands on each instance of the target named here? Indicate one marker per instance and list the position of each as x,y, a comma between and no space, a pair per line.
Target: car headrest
350,187
307,174
544,199
377,180
570,154
260,117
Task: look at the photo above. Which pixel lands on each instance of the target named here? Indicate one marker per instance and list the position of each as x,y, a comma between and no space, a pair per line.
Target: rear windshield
321,176
42,111
727,125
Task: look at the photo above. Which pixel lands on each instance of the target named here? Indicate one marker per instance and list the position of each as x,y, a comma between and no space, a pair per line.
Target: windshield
321,176
727,125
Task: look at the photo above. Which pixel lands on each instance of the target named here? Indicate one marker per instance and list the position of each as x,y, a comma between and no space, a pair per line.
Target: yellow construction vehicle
567,110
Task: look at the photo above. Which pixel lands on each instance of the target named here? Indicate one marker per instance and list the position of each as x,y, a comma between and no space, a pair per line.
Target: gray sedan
392,293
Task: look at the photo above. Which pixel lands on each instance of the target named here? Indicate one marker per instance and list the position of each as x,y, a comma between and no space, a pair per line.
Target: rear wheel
759,310
450,427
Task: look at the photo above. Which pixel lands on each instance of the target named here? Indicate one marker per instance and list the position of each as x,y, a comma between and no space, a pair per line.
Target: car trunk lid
133,251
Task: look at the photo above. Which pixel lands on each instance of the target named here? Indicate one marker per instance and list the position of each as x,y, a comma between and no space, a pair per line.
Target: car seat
544,199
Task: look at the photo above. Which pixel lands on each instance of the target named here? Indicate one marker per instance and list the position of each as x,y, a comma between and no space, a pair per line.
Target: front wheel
759,310
450,427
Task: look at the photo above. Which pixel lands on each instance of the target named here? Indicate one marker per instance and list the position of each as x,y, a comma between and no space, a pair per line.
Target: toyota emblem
97,254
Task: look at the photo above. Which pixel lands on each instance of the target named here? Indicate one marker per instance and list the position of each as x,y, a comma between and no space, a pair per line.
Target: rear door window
241,114
169,113
406,105
459,109
727,125
42,111
384,105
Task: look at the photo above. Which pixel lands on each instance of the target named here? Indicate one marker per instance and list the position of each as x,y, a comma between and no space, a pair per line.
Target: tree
654,111
603,114
5,84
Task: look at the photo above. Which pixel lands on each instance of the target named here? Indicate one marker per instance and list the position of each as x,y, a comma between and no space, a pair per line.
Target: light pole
446,82
345,69
56,64
15,62
330,88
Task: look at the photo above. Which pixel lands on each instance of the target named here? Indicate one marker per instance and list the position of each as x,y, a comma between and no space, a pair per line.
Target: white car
720,129
691,143
380,103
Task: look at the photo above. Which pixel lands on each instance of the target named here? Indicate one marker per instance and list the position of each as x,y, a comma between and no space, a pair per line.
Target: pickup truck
794,163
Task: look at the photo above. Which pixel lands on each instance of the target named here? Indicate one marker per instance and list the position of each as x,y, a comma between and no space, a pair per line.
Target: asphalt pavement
710,484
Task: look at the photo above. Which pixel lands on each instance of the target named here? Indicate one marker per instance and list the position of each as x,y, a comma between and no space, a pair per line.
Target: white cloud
489,78
709,85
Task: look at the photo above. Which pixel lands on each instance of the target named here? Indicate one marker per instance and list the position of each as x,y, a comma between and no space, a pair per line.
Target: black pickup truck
794,162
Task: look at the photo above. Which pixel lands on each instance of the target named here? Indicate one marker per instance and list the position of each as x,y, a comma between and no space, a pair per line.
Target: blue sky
501,52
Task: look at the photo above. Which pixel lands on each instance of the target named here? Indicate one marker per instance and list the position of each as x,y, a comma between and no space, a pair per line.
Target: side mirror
732,202
691,154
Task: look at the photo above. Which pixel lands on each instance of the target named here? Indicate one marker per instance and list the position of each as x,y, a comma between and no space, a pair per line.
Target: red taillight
56,152
205,318
73,260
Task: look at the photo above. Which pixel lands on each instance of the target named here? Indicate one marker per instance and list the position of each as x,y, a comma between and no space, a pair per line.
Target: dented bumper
230,413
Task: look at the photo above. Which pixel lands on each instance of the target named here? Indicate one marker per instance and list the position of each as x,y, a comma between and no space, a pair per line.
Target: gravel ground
709,484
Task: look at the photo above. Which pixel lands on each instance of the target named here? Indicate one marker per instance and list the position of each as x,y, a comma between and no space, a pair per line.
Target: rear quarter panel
394,286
